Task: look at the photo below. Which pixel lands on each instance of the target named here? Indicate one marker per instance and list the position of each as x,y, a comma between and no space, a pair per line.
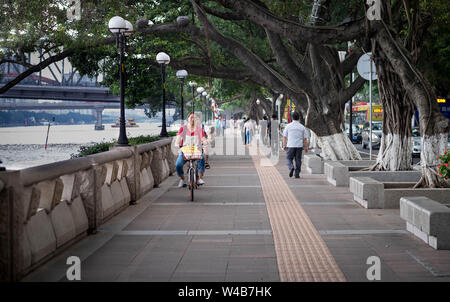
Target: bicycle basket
191,153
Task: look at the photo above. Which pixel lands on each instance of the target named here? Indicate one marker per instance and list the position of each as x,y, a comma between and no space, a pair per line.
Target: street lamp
200,91
121,28
350,46
205,94
208,109
163,59
213,104
342,55
193,85
208,96
182,74
278,104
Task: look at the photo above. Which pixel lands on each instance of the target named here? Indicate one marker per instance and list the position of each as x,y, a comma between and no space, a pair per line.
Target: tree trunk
395,152
334,143
313,140
433,125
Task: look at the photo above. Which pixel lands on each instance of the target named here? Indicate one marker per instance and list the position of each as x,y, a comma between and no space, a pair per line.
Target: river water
22,147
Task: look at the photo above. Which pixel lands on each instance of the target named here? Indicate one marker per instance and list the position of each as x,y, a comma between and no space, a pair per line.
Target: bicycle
192,155
192,175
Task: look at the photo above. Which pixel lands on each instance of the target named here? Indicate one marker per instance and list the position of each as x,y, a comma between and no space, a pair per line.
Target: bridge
54,83
26,105
97,106
61,93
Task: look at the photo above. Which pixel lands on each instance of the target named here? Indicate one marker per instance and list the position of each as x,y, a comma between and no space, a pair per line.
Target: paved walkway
250,222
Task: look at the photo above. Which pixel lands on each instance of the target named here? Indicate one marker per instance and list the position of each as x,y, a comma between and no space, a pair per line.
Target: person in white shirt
295,137
263,129
248,126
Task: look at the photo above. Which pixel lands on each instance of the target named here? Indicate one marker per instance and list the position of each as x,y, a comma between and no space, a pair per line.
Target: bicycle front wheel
192,182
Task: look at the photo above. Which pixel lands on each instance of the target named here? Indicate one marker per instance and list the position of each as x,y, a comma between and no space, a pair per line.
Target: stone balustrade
46,208
155,162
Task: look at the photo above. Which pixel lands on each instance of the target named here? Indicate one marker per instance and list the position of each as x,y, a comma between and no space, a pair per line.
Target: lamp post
350,123
200,91
213,104
182,74
206,108
205,95
257,112
121,28
342,58
163,59
193,85
278,103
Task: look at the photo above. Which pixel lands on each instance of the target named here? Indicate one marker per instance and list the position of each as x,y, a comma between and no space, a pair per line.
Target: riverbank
23,147
19,156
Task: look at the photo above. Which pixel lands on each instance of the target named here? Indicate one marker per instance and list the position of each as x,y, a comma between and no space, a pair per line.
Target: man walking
269,127
295,137
263,130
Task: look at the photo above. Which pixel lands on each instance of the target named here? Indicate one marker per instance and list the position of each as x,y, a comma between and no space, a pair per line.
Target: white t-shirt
248,126
295,133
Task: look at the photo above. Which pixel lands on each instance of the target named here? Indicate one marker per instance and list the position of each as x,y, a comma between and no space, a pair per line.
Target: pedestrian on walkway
248,126
242,129
219,125
295,137
206,130
224,125
263,130
269,129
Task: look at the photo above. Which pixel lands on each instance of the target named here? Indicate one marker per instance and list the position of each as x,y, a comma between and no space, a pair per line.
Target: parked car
417,142
356,133
448,142
377,128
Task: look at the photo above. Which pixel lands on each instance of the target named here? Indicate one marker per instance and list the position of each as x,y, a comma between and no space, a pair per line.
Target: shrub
88,150
443,168
104,146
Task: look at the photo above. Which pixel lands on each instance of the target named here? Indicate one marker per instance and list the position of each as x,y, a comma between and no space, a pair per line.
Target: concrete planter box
383,190
428,220
313,163
392,196
338,172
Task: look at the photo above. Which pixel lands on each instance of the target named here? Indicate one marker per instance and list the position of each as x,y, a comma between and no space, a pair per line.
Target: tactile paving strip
302,255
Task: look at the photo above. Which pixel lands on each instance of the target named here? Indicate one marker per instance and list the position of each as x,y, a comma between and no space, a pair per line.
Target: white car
417,142
448,142
376,135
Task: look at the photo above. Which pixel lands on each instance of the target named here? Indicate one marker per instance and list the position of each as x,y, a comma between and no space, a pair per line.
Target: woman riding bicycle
188,135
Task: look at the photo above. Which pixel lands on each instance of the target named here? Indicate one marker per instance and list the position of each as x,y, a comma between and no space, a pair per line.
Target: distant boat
130,123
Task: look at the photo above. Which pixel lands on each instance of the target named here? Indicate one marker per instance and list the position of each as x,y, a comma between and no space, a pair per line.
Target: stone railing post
11,226
132,172
156,166
93,207
171,158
